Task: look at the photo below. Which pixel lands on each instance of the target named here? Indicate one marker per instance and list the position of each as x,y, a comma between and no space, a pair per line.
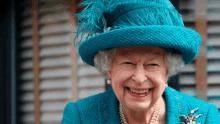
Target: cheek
119,80
119,75
158,78
159,82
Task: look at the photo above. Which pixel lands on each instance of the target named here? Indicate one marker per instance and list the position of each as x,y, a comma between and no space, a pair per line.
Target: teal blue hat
107,24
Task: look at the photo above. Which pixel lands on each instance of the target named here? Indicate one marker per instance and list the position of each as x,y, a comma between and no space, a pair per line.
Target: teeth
140,91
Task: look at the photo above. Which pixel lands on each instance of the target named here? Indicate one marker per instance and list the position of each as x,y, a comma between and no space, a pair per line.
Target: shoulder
189,100
74,112
92,101
185,103
185,99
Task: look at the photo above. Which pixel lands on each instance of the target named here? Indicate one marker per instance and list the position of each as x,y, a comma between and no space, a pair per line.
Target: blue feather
101,14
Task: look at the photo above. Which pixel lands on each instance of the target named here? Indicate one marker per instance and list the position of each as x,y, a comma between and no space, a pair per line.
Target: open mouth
137,93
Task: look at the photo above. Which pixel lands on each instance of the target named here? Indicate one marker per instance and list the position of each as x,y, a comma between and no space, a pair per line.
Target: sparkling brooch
190,119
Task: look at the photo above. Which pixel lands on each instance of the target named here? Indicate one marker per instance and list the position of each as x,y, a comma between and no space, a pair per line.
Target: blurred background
41,70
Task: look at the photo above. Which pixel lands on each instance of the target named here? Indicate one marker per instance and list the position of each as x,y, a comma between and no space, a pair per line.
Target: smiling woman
139,69
137,45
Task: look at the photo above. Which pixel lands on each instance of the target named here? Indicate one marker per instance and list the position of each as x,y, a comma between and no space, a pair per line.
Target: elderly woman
137,45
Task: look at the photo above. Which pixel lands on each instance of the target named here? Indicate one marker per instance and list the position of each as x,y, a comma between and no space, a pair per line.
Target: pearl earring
108,81
166,85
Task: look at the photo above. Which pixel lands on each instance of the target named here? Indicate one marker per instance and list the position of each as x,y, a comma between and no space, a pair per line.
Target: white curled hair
102,62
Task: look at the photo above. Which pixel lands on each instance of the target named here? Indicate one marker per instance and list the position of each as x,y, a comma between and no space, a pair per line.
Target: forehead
140,51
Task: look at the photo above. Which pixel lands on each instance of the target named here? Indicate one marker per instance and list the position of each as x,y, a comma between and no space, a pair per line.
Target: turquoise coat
103,108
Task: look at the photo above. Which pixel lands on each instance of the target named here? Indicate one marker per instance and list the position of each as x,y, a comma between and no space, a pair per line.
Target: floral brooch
190,119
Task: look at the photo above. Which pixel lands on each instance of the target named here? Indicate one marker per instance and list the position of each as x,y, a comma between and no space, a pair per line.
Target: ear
109,74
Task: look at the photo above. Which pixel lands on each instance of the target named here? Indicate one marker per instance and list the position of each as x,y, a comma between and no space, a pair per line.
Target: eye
128,63
153,64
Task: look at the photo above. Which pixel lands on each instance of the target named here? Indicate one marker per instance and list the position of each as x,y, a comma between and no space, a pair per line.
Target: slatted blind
90,81
54,53
55,64
187,77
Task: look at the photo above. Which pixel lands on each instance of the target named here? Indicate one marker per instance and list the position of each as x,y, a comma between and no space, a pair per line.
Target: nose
139,75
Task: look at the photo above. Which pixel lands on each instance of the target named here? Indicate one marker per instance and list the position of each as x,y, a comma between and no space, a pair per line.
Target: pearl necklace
153,119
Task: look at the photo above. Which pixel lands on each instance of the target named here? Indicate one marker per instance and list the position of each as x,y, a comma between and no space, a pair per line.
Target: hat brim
186,41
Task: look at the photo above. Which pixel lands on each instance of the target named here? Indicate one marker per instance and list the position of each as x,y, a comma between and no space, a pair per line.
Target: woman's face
138,68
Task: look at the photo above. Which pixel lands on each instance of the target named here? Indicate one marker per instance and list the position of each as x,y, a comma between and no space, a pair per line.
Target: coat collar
109,107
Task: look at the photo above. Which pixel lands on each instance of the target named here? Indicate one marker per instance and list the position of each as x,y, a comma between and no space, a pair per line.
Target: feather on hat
106,24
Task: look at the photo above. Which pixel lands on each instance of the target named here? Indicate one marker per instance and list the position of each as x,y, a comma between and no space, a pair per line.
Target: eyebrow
131,59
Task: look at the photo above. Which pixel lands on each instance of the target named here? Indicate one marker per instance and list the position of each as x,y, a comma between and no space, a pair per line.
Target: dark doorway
10,12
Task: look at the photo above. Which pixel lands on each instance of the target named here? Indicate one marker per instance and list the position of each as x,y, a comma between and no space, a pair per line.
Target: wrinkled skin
139,67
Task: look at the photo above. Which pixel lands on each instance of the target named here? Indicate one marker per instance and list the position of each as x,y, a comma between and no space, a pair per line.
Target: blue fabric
103,108
186,41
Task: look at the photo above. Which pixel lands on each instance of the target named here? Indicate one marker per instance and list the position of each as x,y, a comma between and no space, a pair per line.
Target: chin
136,106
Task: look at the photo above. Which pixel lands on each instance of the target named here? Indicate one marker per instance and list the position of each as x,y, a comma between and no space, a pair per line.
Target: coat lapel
108,108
